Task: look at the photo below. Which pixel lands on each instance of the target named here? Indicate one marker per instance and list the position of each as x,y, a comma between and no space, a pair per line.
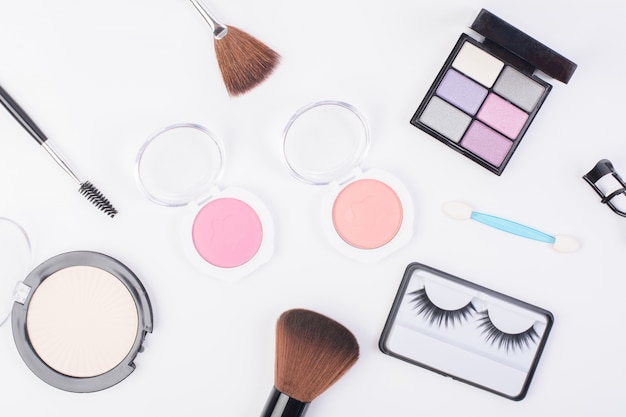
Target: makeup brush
87,189
461,211
243,60
312,353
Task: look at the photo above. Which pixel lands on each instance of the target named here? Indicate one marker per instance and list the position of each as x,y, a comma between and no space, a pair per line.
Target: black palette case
465,331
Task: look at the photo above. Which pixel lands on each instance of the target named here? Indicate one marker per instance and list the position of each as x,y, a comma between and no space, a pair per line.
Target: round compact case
366,214
227,233
79,320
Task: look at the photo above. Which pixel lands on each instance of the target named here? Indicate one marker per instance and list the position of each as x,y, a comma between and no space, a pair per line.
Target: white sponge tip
457,210
564,243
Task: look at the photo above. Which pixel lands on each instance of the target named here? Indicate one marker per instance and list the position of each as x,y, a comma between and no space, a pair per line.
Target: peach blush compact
227,233
80,319
366,214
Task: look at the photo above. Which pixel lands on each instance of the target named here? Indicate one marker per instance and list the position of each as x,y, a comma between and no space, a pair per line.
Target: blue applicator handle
512,227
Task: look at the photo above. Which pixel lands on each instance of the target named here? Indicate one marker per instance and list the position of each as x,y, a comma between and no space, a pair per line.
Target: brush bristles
312,353
243,60
91,193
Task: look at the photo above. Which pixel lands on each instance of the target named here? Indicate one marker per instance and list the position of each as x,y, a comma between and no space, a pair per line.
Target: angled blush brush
312,353
86,188
244,61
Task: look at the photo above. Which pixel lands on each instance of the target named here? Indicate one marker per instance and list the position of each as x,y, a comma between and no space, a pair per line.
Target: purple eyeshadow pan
459,90
486,143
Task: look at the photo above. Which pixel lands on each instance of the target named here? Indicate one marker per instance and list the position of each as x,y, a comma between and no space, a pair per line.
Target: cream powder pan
83,321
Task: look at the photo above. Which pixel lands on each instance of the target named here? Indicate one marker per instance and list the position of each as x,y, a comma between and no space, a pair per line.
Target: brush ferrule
218,29
282,405
60,161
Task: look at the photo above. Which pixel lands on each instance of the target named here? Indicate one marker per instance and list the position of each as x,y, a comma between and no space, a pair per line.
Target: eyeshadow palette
462,330
487,93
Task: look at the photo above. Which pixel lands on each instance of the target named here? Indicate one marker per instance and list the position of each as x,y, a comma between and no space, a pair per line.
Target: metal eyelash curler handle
602,168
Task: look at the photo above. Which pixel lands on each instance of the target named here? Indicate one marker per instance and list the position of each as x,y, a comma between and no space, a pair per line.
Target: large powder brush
312,353
244,61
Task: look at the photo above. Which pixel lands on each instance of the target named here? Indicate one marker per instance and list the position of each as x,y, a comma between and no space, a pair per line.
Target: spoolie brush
312,353
244,61
86,188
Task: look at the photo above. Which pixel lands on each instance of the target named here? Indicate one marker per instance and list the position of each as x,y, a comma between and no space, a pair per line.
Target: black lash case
460,350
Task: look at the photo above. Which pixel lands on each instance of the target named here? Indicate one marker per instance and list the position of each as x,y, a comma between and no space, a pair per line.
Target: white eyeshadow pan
82,321
478,64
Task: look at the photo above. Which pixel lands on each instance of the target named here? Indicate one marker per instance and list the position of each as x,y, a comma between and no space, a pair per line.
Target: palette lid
539,56
15,260
324,141
178,164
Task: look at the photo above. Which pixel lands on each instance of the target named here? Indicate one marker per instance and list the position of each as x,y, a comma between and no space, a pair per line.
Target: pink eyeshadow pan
227,232
367,214
486,143
502,116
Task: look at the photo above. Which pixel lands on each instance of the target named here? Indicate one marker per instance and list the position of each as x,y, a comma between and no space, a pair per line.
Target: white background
100,77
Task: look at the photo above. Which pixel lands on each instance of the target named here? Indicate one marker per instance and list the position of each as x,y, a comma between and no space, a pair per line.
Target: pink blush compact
366,214
227,232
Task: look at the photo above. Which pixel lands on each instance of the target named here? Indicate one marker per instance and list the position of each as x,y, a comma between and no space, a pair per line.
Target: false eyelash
437,315
504,340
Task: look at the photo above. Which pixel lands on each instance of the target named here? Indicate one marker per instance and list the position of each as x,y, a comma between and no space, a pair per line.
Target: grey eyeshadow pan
519,89
445,119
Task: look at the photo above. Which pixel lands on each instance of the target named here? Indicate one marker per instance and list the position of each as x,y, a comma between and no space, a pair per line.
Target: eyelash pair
437,315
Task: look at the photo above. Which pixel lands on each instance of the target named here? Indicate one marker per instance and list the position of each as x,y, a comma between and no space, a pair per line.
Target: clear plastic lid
325,141
15,259
178,164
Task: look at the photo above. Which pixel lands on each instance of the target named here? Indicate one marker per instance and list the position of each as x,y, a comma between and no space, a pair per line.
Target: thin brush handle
512,227
20,115
29,125
218,29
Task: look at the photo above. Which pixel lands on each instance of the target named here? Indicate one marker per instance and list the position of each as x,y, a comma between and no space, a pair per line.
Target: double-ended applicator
312,353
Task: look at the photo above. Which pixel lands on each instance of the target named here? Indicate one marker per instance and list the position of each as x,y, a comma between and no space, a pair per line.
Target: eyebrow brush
86,188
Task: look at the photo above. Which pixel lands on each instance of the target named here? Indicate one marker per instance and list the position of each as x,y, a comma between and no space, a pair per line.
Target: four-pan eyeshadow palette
487,94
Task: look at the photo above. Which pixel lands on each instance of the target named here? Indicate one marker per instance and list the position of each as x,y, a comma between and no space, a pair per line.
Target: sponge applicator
462,211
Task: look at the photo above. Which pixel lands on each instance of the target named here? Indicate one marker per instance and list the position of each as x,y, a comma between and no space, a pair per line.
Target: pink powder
227,232
502,116
486,143
367,214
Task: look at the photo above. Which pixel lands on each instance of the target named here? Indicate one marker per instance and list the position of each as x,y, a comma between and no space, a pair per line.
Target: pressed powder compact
465,331
227,233
79,320
366,214
488,92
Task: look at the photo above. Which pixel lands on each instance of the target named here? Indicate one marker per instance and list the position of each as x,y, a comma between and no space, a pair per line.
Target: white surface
100,77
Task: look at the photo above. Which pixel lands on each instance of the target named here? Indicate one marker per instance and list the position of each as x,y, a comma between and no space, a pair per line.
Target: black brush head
92,194
312,353
243,60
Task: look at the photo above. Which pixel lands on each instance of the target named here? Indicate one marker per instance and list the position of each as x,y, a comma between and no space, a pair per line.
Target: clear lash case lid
79,319
489,91
465,331
366,214
227,233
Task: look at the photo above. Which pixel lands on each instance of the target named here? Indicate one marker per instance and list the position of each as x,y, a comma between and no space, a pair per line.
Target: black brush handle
20,115
282,405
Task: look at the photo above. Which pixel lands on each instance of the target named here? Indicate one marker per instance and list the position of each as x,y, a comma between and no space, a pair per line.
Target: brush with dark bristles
86,188
243,60
312,353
